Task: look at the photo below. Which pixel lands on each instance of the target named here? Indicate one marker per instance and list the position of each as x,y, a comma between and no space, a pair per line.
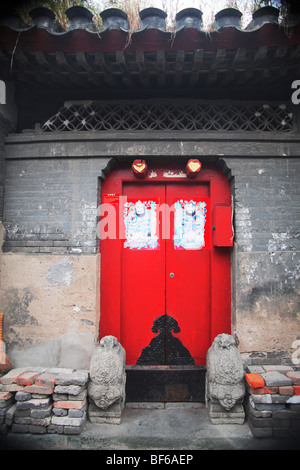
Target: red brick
11,376
264,390
296,389
257,391
255,380
271,390
286,390
294,375
27,378
69,404
5,395
41,390
46,379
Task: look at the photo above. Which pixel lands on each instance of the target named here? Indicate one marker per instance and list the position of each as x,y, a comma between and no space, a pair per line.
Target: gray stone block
33,403
67,421
219,415
41,413
275,379
22,396
260,432
69,389
74,429
22,420
60,412
41,421
79,378
33,429
81,396
20,428
77,413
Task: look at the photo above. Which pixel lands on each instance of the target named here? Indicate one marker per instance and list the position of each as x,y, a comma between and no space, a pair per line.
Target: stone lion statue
107,373
225,373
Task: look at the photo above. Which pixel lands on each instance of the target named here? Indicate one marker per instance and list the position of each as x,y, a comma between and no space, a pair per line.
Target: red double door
165,284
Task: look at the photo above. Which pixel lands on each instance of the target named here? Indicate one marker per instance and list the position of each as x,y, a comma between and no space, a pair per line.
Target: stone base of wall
39,401
273,400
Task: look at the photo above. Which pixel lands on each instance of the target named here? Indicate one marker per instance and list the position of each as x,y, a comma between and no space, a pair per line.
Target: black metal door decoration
165,349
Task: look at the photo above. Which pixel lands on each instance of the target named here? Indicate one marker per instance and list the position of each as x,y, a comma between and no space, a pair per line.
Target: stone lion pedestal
106,390
225,387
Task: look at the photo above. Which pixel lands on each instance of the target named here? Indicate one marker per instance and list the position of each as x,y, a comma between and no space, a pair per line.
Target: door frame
122,174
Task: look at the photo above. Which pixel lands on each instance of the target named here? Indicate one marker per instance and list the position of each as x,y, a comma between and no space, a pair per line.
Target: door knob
172,275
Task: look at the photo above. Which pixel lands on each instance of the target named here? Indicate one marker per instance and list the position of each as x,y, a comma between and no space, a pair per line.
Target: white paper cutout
140,225
190,218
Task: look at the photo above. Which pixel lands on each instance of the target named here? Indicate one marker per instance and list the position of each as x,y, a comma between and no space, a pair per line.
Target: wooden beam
121,61
219,59
281,51
102,67
63,62
41,59
228,77
211,77
82,61
244,77
180,55
198,59
161,63
21,57
240,59
261,54
143,75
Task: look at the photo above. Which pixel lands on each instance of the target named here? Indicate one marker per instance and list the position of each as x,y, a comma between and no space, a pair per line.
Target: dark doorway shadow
165,349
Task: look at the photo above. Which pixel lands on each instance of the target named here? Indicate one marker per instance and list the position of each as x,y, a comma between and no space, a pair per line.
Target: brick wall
266,259
5,128
267,203
51,205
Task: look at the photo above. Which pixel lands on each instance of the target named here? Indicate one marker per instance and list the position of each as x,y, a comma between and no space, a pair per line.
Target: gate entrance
165,271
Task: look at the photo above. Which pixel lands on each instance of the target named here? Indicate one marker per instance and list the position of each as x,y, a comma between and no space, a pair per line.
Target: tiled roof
264,51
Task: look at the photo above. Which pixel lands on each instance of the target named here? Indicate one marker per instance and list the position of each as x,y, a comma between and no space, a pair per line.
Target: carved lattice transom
144,116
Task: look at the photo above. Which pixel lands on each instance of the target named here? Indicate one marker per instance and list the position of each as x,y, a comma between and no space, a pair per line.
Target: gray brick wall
267,240
267,203
5,128
51,205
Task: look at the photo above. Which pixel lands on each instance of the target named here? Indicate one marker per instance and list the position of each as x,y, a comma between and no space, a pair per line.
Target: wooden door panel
188,268
142,272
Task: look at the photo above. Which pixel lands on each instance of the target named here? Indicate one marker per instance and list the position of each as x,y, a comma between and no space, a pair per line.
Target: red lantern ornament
192,168
139,168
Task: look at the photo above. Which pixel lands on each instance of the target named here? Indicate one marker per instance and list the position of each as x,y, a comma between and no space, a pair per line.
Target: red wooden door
165,286
188,277
142,273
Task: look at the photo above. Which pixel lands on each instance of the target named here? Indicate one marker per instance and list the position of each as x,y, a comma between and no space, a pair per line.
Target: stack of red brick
273,400
38,400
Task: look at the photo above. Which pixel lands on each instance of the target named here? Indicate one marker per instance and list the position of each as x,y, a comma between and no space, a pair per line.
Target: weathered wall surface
51,308
266,260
